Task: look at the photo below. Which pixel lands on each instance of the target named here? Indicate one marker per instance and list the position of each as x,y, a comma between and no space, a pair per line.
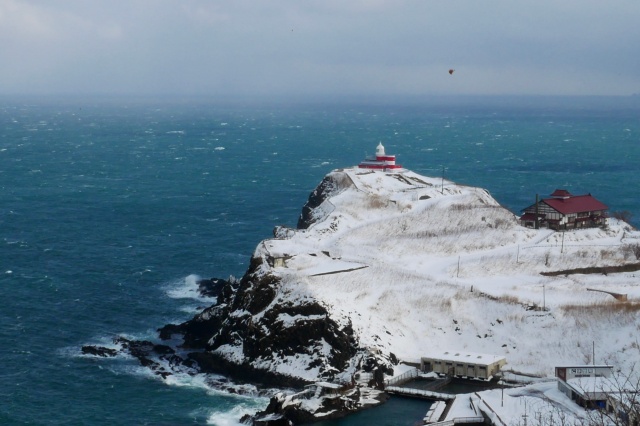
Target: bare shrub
513,300
505,298
376,202
631,249
606,254
425,234
461,207
624,215
604,308
502,223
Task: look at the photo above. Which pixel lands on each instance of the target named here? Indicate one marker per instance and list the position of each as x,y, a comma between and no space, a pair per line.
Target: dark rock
208,362
211,287
331,408
169,330
230,321
163,349
99,351
247,419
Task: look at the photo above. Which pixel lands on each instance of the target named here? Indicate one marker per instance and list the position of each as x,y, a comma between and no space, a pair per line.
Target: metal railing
404,377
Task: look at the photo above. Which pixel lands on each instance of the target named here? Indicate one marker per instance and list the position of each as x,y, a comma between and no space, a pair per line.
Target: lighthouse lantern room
381,161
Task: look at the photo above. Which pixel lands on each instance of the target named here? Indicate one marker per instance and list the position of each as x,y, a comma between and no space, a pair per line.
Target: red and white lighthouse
381,161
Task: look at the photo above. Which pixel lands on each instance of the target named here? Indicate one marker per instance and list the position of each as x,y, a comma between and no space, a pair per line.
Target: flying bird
451,71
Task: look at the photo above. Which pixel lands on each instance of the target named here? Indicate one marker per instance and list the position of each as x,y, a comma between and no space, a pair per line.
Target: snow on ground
540,403
418,264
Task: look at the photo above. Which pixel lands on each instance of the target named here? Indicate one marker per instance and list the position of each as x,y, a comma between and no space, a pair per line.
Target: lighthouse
381,161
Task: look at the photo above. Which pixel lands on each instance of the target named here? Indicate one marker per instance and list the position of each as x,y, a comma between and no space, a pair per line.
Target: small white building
462,364
576,371
587,385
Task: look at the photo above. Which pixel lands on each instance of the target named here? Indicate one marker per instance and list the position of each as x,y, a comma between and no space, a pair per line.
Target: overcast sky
307,47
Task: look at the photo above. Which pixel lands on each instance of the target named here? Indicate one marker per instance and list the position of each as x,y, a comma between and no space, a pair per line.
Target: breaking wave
187,288
232,415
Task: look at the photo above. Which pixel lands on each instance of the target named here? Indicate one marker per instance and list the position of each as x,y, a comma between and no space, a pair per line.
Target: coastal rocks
255,334
149,354
211,287
100,351
307,406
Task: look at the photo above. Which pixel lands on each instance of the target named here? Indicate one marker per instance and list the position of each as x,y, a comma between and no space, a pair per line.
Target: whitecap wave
196,381
232,416
187,288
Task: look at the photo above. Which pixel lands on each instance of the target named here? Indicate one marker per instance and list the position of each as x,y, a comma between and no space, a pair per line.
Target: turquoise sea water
109,207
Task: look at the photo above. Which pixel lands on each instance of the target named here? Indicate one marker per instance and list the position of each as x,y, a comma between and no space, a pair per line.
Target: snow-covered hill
417,264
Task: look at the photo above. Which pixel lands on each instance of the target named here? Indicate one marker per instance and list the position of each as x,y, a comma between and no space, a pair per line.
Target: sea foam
186,288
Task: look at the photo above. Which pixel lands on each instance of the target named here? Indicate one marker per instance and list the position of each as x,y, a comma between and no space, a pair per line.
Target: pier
419,393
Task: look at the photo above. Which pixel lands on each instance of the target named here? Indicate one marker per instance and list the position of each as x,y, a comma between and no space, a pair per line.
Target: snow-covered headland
389,266
414,263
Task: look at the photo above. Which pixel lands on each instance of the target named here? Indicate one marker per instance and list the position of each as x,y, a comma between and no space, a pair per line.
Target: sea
111,208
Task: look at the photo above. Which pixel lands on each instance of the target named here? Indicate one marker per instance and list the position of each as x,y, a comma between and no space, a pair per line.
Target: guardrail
459,420
420,392
404,377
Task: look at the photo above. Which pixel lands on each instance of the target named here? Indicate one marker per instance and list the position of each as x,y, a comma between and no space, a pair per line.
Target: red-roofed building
565,211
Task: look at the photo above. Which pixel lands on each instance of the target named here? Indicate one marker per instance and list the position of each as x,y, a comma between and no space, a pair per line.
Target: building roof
561,193
592,385
586,366
575,204
468,357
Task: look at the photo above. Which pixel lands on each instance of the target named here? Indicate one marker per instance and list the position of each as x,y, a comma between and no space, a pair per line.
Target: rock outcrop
250,327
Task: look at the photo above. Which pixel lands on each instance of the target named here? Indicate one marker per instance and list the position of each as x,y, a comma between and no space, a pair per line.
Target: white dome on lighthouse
380,150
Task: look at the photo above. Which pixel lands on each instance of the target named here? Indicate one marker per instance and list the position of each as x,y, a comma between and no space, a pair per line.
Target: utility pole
442,184
537,223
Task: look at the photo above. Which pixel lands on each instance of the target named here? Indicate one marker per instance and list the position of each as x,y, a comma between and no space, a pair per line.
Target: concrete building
587,385
462,364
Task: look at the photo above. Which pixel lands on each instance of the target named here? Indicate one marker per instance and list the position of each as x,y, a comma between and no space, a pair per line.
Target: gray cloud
287,47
